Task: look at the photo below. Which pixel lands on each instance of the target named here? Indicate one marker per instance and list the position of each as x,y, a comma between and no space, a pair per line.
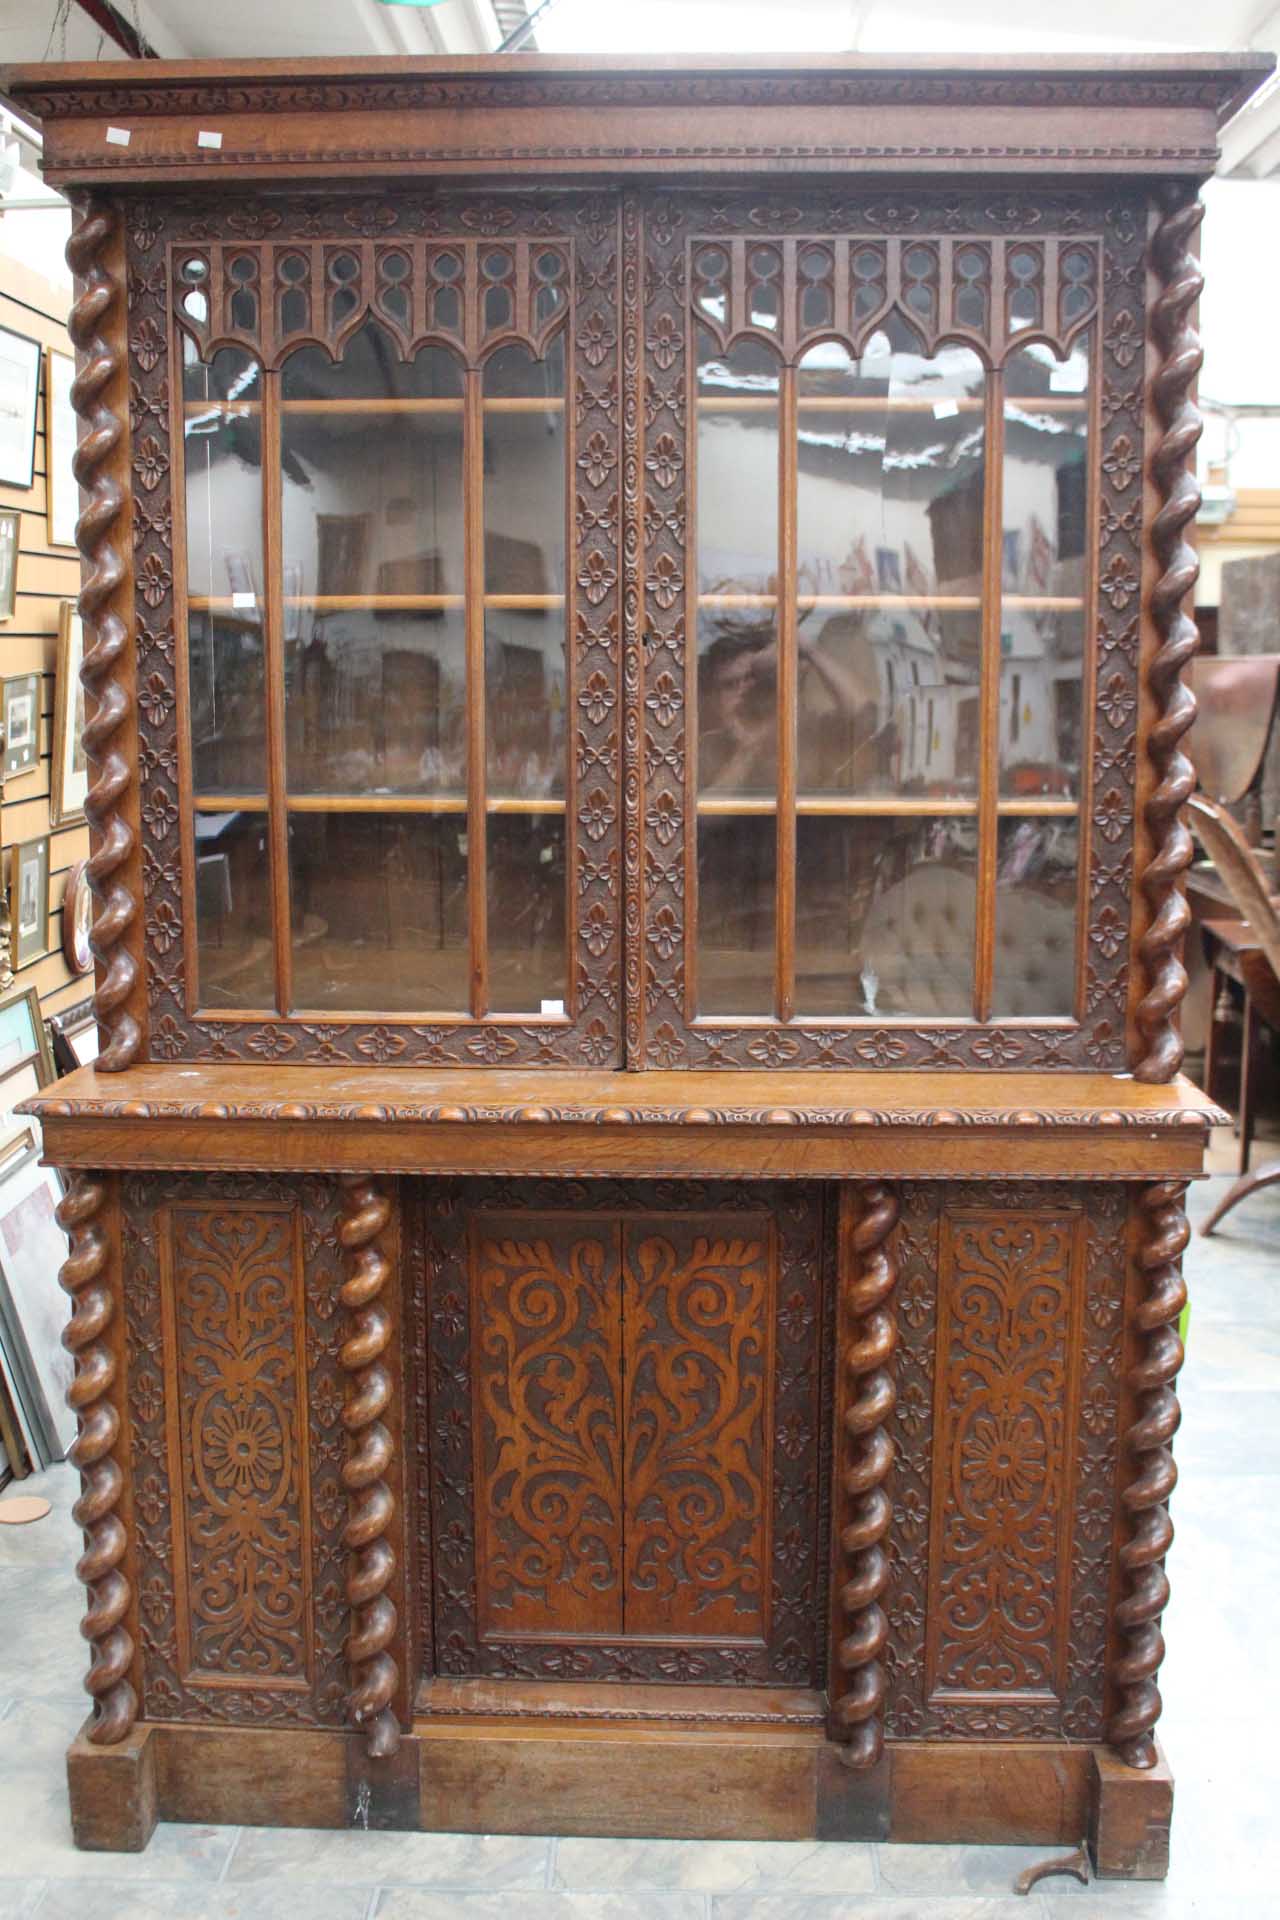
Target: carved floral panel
232,1322
696,1549
1010,1306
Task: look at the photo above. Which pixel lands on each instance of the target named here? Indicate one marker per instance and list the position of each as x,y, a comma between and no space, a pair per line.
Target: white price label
243,600
118,136
946,409
207,139
553,1009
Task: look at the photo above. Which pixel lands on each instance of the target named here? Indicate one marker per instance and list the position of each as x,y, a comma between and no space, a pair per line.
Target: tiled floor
1222,1709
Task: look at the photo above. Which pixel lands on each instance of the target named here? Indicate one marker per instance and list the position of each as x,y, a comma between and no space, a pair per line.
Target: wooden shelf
454,803
245,409
936,602
842,806
884,403
381,602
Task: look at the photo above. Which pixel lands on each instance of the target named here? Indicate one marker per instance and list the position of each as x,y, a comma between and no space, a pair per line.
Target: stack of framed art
35,1366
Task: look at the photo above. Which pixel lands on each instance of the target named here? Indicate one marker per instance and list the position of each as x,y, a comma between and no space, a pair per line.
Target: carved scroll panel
1011,1316
235,1403
643,1496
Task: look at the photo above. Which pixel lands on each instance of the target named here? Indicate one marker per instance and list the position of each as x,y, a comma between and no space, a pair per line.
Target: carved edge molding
1172,850
867,1339
913,1119
1145,1498
633,612
91,253
92,1397
375,1676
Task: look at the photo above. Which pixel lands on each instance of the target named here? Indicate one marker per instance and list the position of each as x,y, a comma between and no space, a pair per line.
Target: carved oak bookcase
625,1234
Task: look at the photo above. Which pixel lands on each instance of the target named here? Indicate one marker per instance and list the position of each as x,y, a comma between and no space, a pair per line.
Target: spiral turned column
1145,1499
104,671
97,1511
1172,851
868,1336
374,1674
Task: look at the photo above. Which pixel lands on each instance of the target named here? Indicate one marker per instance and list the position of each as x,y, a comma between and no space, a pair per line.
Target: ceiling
250,29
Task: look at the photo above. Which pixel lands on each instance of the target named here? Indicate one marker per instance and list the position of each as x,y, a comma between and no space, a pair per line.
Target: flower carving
596,337
164,926
665,581
1119,582
154,579
597,929
664,459
663,343
597,698
243,1449
596,576
664,933
598,459
1124,339
149,462
663,818
597,814
665,700
1120,461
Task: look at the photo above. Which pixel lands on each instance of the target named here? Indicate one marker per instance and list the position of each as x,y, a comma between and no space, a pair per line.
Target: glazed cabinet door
891,520
622,1447
379,658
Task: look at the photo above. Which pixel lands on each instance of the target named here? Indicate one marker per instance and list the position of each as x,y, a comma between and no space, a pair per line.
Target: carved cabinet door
621,1450
890,460
379,664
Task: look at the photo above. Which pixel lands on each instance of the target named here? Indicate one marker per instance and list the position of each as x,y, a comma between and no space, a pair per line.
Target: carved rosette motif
1062,1644
791,1652
366,1212
104,671
1147,1445
1172,850
1081,223
867,1338
92,1397
288,1659
584,229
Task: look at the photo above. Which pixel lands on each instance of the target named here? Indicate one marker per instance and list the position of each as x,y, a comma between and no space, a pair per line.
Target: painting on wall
20,717
62,495
10,534
29,900
19,400
69,782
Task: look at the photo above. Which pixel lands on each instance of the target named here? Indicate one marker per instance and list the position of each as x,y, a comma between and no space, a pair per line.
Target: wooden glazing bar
835,804
397,803
788,682
240,409
989,694
473,564
1088,663
273,654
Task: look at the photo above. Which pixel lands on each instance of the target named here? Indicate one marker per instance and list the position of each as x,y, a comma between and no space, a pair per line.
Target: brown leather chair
1237,864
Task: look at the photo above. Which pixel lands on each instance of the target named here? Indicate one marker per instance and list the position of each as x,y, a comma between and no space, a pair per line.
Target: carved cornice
1215,88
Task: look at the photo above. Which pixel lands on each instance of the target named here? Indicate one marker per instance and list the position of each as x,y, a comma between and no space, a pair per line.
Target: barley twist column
104,671
96,1512
1146,1496
374,1674
866,1397
1171,847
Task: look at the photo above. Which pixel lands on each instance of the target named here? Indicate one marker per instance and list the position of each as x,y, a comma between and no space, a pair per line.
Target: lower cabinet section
699,1459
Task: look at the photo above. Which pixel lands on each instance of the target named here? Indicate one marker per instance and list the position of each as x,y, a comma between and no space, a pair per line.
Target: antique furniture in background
1253,946
625,1232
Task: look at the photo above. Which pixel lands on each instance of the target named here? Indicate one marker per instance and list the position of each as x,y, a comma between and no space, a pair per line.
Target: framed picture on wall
10,534
69,776
29,900
19,399
22,1034
62,496
20,717
77,919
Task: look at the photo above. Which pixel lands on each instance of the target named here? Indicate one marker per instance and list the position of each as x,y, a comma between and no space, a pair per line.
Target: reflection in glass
1036,883
889,557
885,918
1043,572
524,544
737,667
222,449
379,907
371,460
737,870
233,911
526,912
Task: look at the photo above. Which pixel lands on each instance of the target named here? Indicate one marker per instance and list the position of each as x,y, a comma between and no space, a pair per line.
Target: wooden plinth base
756,1783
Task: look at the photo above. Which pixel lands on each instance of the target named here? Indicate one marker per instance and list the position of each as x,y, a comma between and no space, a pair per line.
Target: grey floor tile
462,1861
20,1898
781,1906
111,1899
955,1870
417,1903
714,1866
